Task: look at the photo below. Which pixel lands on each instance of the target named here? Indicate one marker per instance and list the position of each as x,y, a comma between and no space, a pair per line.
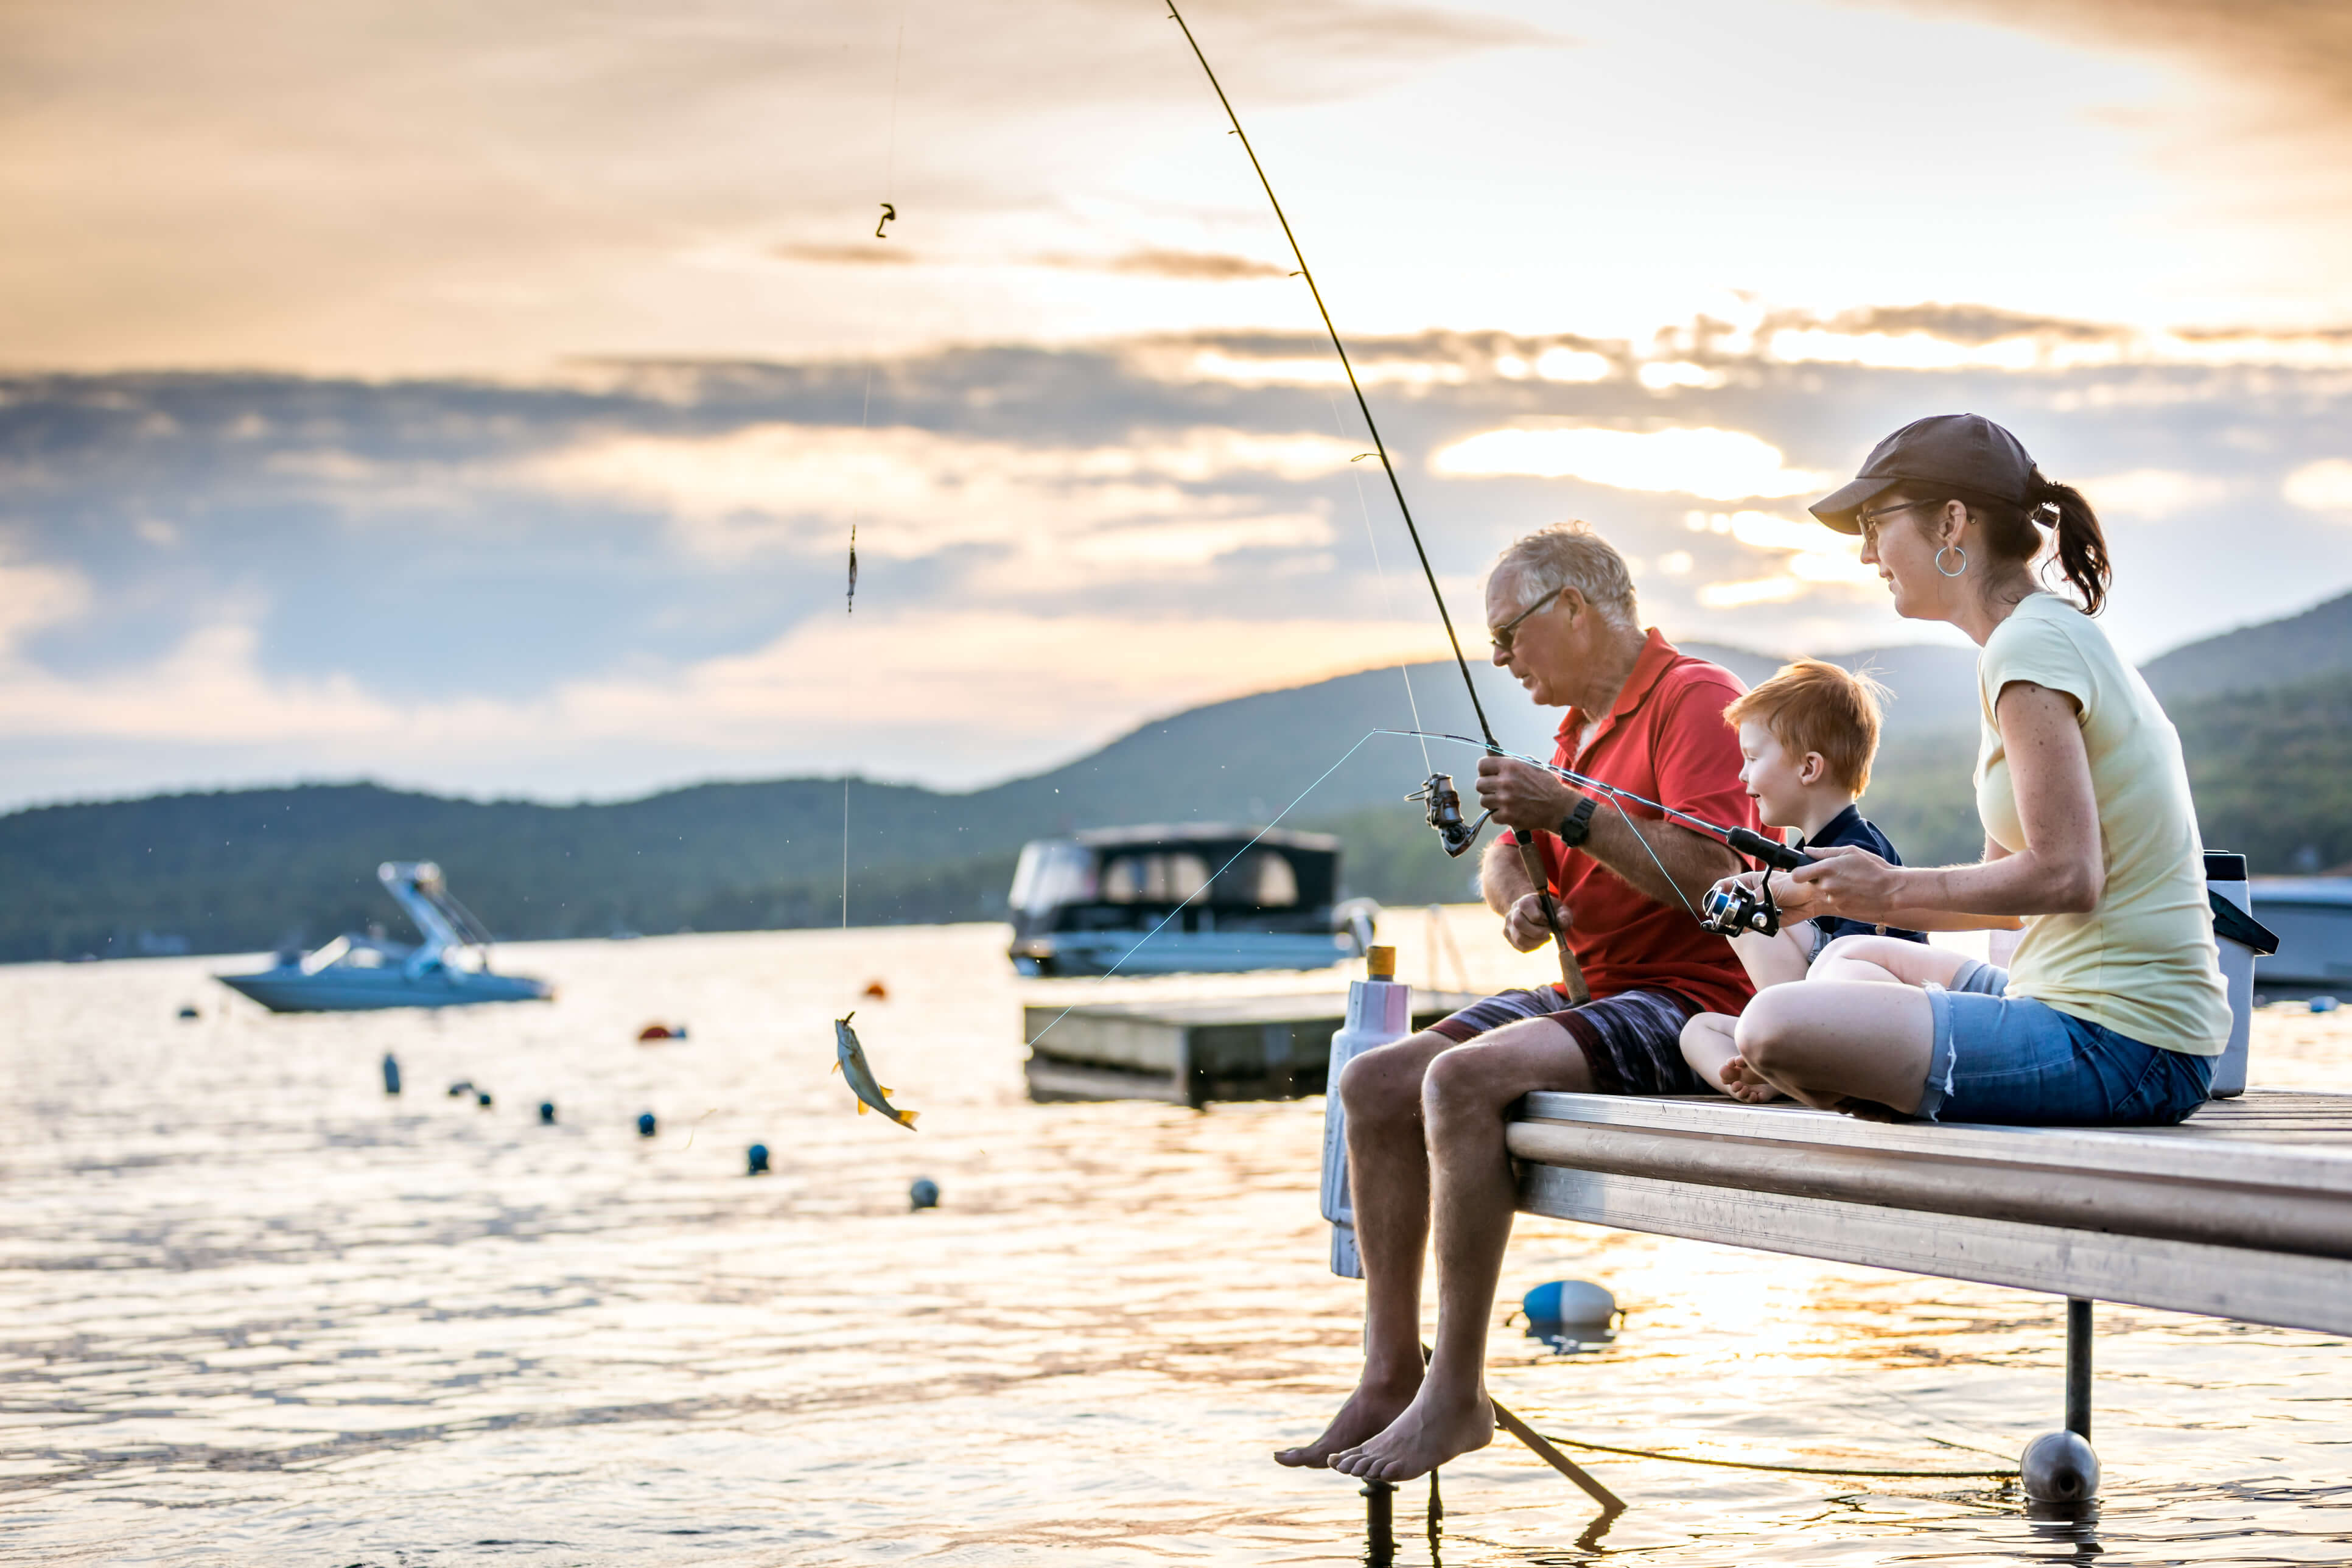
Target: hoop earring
1952,549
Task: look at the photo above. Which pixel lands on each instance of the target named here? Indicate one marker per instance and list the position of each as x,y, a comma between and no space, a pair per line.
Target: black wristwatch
1578,822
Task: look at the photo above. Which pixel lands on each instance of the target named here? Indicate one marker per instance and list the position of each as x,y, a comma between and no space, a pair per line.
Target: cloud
35,595
1190,265
1718,465
2154,495
1062,515
2322,485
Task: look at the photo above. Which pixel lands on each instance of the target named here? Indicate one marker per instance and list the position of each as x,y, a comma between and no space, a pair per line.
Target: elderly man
1425,1115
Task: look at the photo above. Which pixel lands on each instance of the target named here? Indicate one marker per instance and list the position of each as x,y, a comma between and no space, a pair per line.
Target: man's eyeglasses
1503,634
1867,521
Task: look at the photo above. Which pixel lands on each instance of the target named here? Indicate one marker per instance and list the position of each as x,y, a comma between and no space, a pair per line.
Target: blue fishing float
646,1125
1576,1302
547,1113
756,1159
923,1195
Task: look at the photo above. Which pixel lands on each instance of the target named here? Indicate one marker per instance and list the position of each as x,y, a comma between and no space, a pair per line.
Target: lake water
258,1313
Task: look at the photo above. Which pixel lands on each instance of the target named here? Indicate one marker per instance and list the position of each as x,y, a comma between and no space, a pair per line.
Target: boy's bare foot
1743,1082
1367,1413
1431,1432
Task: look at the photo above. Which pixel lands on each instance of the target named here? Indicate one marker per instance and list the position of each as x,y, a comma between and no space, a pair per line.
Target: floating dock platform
1190,1053
2242,1212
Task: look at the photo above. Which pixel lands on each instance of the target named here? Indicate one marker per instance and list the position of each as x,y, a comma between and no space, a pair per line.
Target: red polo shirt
1666,739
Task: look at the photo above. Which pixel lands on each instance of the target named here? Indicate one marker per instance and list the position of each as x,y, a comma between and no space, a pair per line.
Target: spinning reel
1731,911
1444,806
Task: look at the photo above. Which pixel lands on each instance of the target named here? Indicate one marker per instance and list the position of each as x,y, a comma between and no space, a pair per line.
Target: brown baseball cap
1966,451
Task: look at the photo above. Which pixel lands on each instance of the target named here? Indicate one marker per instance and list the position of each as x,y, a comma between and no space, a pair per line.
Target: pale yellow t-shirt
2143,962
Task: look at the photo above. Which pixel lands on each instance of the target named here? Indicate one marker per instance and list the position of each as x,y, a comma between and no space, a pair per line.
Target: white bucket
1379,1012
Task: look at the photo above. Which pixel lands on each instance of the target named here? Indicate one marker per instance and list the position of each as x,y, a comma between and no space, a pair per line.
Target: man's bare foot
1744,1082
1367,1413
1431,1432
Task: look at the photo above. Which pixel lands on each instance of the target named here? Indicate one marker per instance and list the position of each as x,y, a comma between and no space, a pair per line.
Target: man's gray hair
1570,555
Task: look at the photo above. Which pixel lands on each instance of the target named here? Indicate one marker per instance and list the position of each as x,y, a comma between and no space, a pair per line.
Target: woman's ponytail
2081,543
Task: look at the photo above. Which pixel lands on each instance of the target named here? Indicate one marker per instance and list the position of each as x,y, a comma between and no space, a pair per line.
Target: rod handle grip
1773,853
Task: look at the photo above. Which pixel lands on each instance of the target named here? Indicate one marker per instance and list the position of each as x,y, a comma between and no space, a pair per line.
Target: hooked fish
849,1061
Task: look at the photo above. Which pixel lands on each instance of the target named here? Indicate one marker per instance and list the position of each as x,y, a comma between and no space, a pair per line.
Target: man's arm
1674,865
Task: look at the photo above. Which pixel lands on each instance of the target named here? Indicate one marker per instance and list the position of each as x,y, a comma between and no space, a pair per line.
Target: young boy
1806,740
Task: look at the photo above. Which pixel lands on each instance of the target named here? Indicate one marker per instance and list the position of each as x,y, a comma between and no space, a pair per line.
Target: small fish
849,1061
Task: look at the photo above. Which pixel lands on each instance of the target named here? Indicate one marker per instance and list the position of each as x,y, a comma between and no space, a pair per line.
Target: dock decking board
2243,1212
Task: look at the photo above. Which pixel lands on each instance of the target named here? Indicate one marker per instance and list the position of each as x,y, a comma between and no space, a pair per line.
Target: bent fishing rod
1438,784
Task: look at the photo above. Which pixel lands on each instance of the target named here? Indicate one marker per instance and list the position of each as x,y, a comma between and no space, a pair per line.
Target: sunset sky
481,398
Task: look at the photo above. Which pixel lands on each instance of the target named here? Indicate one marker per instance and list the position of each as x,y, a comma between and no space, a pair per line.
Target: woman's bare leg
1886,958
1828,1042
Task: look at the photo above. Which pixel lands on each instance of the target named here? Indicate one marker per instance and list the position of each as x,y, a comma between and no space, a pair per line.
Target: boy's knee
1846,947
1765,1033
1706,1029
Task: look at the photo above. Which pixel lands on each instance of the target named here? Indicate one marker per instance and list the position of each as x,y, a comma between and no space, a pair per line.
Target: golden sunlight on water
258,1313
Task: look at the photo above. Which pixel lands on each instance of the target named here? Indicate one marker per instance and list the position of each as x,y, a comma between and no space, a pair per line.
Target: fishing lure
849,1061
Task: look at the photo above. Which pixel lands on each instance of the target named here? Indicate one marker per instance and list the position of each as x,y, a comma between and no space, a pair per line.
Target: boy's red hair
1812,705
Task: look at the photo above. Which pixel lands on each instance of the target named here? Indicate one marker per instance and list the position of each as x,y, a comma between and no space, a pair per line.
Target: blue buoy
923,1195
1576,1301
190,1013
756,1158
391,1073
2322,1003
483,1098
646,1124
547,1113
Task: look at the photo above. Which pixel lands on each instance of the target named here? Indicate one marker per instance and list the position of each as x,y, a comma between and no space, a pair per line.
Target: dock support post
2078,1367
2060,1466
1380,1523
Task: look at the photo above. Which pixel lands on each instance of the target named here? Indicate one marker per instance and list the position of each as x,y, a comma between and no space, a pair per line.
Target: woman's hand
1522,797
1842,881
1524,927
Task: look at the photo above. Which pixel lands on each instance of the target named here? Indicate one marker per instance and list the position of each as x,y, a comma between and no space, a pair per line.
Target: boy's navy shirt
1850,827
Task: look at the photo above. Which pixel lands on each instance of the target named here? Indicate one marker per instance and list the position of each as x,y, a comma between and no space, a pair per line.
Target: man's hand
1522,797
1524,927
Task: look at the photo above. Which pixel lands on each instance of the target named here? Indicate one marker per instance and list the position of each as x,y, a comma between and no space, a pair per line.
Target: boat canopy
1215,865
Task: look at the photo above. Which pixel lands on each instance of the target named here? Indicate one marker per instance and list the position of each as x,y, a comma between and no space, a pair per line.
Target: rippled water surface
254,1311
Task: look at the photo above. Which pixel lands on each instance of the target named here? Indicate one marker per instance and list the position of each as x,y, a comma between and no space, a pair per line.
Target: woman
2113,1009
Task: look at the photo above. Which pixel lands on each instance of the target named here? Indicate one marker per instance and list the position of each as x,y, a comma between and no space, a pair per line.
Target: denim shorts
2014,1061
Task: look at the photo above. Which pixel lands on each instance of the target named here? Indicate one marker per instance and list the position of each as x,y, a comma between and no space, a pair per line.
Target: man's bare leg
1465,1095
1388,1185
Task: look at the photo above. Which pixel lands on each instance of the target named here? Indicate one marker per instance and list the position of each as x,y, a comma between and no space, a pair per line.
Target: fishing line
1220,871
1388,592
865,403
1785,1469
1371,426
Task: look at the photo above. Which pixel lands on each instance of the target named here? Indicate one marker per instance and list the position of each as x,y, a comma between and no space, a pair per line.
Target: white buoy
2059,1466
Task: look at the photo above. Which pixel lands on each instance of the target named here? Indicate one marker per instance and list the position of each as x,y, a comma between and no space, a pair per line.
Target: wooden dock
2243,1212
1190,1053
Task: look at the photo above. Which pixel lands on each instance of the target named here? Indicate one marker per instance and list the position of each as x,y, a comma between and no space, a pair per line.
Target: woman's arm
2060,870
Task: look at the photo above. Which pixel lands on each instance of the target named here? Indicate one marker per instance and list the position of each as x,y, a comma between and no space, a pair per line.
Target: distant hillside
245,870
2251,658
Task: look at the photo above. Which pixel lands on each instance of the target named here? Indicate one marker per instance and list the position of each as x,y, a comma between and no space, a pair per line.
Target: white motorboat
1197,898
450,968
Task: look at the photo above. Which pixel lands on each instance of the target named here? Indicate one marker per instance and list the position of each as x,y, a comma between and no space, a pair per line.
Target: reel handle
1773,853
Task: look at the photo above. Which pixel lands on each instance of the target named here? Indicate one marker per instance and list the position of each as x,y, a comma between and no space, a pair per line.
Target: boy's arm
1775,960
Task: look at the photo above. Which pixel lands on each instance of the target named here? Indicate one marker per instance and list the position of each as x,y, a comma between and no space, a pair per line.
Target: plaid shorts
1632,1041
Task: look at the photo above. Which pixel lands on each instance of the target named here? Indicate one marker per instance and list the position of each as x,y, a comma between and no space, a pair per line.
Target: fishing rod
1438,784
1744,840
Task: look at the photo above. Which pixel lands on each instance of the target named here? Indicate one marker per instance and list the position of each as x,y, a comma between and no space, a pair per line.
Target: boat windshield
326,956
1053,872
1159,878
